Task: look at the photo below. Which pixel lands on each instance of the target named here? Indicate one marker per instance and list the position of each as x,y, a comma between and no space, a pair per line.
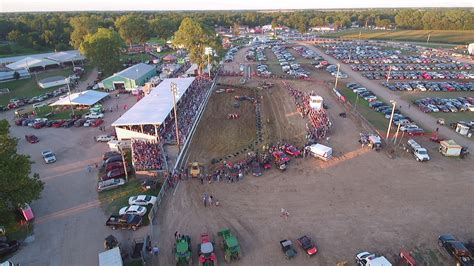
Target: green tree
193,36
16,185
133,28
162,27
82,26
103,49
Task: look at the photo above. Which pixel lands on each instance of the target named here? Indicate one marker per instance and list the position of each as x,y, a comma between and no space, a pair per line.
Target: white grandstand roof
88,97
66,56
156,106
29,62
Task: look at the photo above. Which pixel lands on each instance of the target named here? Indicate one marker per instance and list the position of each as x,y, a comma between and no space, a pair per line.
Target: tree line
59,31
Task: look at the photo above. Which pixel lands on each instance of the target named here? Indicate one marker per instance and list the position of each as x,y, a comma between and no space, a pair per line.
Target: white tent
156,106
30,62
89,97
68,56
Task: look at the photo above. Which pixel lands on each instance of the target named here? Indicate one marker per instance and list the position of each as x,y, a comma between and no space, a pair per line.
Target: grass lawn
377,119
29,88
56,115
437,36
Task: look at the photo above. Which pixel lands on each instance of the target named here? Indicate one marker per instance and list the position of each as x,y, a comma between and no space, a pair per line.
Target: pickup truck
370,259
126,221
420,153
456,249
287,248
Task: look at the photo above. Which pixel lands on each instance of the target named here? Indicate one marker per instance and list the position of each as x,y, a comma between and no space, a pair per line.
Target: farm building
130,78
52,82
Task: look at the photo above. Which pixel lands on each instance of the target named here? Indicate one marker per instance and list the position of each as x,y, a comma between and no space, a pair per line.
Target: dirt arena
360,200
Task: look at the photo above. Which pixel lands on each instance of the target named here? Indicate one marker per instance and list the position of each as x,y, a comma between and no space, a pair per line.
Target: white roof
12,59
89,97
66,56
110,257
191,70
135,71
29,62
155,107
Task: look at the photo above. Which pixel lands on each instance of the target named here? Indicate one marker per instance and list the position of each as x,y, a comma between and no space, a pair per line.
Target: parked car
256,169
94,116
48,156
126,221
31,138
113,174
115,158
456,249
104,138
110,184
133,209
142,200
109,154
8,247
307,245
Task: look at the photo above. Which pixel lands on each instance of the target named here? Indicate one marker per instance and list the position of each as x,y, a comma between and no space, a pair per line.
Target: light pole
208,52
337,75
124,162
69,95
396,133
174,91
389,71
394,103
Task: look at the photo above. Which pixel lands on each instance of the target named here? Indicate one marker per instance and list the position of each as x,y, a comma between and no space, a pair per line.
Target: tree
133,28
193,36
16,185
162,27
103,49
82,26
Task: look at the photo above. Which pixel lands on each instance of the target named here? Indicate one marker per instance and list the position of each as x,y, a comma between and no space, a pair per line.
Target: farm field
437,36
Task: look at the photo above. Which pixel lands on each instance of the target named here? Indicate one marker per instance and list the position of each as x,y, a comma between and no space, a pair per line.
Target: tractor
230,245
207,256
182,249
194,169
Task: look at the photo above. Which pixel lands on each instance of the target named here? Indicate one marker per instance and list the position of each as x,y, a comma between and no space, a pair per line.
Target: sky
91,5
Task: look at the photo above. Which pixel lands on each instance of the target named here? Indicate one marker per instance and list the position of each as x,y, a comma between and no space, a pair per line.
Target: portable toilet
316,102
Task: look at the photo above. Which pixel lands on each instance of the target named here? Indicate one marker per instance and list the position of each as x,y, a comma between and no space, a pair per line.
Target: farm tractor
194,169
207,257
230,245
182,249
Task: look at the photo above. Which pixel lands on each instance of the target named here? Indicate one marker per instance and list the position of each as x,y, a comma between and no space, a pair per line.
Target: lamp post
389,71
174,91
69,94
208,52
394,103
337,75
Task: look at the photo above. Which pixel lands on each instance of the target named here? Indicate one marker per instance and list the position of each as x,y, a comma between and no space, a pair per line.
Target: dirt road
425,120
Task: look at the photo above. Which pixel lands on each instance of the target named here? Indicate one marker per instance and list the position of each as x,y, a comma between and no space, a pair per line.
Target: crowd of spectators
187,108
319,123
147,155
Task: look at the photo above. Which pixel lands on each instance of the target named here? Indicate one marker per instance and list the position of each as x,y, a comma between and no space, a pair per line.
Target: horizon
21,6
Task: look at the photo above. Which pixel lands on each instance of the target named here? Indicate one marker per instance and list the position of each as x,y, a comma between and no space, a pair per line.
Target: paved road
425,120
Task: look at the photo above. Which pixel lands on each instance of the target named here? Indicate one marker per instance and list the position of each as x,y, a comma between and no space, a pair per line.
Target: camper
449,148
320,151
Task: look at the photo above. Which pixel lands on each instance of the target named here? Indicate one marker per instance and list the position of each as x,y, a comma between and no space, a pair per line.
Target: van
110,184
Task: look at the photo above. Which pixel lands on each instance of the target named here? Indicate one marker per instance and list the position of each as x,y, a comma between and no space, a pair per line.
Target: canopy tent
31,62
156,106
88,97
69,56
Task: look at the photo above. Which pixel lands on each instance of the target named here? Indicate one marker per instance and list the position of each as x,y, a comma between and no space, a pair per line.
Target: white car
38,105
48,156
104,138
94,116
134,209
88,123
142,200
408,127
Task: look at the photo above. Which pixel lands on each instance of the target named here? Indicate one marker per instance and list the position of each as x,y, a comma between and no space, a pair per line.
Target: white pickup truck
420,153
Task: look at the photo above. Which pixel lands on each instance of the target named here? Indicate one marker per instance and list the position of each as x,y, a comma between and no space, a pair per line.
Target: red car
115,165
31,138
280,157
19,121
97,122
39,124
58,123
292,151
307,245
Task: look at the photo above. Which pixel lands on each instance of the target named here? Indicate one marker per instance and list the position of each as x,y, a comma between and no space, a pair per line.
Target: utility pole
174,91
124,162
394,103
396,134
208,51
337,75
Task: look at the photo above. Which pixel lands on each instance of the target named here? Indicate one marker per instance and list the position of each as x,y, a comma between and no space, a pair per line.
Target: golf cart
182,249
194,169
288,249
371,140
207,257
231,245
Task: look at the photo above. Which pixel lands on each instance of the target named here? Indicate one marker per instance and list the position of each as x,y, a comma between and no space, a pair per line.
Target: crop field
436,36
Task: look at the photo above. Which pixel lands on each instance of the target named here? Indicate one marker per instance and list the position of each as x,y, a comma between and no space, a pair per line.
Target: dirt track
361,200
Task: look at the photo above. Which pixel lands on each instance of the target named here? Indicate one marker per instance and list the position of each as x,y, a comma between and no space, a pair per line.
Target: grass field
436,36
29,88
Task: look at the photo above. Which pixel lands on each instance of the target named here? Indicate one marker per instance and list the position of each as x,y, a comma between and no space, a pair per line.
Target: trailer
449,148
320,151
111,257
